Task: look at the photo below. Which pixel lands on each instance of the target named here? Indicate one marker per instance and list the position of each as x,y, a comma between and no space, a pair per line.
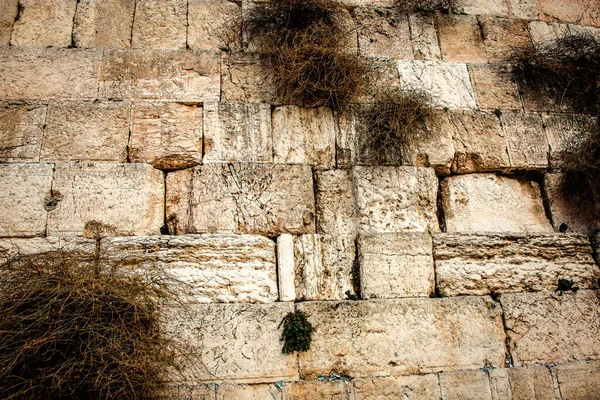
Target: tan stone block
249,392
567,11
120,199
337,212
86,131
160,74
494,87
528,146
401,337
160,24
316,390
563,131
21,131
414,387
251,198
460,38
524,9
23,199
491,203
84,250
248,77
484,264
481,7
579,380
522,383
424,36
383,33
32,73
465,385
544,32
548,328
585,30
502,35
212,25
433,147
9,9
44,23
166,135
103,23
188,392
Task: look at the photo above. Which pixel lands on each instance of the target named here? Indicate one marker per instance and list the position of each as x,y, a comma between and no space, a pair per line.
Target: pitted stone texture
527,143
9,9
21,131
235,342
484,264
544,32
383,33
401,337
395,265
552,327
337,212
183,391
248,77
32,73
286,268
103,23
465,385
494,87
223,268
563,131
23,199
160,24
460,38
316,390
502,36
424,36
83,249
447,83
247,392
524,383
166,135
210,25
524,9
481,7
86,131
122,199
160,74
237,132
304,136
415,387
250,198
396,199
579,380
44,23
568,11
492,203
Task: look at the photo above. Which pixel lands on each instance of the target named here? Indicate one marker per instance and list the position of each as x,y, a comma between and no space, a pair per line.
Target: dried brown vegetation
421,5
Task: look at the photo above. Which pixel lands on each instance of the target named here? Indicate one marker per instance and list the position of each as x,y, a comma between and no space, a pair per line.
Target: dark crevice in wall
164,230
73,44
132,25
356,281
508,360
440,210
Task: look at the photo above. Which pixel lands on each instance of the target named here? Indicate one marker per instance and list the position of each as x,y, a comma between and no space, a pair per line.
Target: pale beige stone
248,392
9,9
212,24
166,135
316,390
373,3
481,7
460,38
21,132
528,146
337,212
401,337
286,267
465,385
23,199
484,264
548,328
248,77
160,24
395,265
160,74
524,9
33,73
383,33
123,199
424,36
502,35
84,250
414,387
564,131
188,392
237,132
44,23
522,383
568,11
543,32
86,131
585,30
251,198
579,381
492,203
494,87
103,23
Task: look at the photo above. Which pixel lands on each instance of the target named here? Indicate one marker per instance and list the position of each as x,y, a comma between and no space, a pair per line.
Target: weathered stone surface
465,385
160,24
21,131
304,136
83,249
567,11
525,383
585,30
396,199
248,77
481,7
424,36
527,143
209,24
235,342
552,327
237,132
543,32
491,203
337,212
460,38
394,265
524,9
221,268
494,87
564,131
23,198
9,9
103,23
189,392
502,35
160,74
579,380
44,23
383,33
120,199
415,387
316,390
286,267
401,337
248,392
166,135
86,131
32,73
262,199
484,264
433,147
447,83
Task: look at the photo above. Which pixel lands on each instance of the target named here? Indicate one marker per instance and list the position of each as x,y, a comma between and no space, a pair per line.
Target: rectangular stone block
552,327
248,77
502,36
44,23
84,250
481,7
337,212
402,337
527,143
211,25
248,392
543,32
460,38
103,23
92,199
578,380
160,24
251,198
383,33
9,9
465,385
494,87
316,390
524,9
414,387
523,383
563,131
395,265
483,264
21,131
424,36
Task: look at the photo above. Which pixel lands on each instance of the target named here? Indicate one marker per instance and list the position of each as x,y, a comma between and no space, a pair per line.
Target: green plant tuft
297,332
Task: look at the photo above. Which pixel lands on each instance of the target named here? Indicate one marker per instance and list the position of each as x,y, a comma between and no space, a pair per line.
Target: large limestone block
21,131
484,264
502,36
523,383
492,203
86,131
9,9
25,188
166,135
579,380
44,23
248,392
43,74
394,265
402,337
248,77
84,250
525,9
481,7
552,327
237,132
234,342
563,131
337,212
211,24
568,11
223,268
396,199
494,87
424,35
527,142
460,38
191,392
160,24
447,83
316,390
103,23
160,74
117,199
544,32
465,385
262,199
383,33
413,387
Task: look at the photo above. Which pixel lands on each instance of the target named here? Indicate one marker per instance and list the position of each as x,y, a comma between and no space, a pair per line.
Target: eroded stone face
478,7
103,23
524,9
383,33
160,24
579,381
248,392
248,77
212,24
9,9
417,387
494,87
527,143
316,390
44,23
460,38
424,34
502,36
21,132
465,385
84,250
527,383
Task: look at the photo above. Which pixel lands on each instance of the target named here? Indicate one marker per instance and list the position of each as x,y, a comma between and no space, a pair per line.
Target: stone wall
144,129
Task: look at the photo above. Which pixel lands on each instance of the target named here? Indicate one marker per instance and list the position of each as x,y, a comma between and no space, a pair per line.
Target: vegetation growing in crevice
422,5
297,332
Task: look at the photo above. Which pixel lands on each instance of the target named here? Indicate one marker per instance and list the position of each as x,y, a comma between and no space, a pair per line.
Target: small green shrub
297,332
